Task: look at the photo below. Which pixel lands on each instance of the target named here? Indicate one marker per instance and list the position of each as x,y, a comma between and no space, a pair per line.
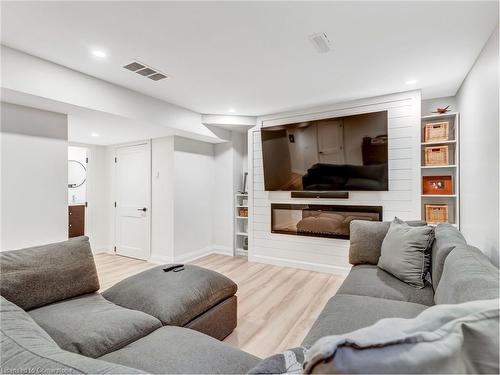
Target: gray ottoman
195,298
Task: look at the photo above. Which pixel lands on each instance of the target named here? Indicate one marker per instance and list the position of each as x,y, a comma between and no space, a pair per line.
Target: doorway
77,190
331,141
133,200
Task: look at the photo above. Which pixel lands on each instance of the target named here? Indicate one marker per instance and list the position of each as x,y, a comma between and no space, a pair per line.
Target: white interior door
331,142
133,201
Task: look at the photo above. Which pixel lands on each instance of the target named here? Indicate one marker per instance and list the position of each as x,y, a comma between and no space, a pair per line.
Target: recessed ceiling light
95,134
98,53
231,110
411,82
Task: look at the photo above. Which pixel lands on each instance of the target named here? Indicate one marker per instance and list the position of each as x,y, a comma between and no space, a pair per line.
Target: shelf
451,141
240,251
437,115
438,166
241,206
438,195
241,195
433,225
241,217
244,234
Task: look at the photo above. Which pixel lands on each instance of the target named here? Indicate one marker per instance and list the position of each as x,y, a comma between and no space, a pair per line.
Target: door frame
89,185
342,146
114,191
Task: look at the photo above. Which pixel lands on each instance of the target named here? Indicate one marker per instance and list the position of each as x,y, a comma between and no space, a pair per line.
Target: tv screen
336,154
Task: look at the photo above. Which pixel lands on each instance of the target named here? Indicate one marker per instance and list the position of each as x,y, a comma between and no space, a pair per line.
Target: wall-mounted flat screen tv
336,154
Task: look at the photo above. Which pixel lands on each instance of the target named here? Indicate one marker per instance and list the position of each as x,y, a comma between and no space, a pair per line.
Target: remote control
173,267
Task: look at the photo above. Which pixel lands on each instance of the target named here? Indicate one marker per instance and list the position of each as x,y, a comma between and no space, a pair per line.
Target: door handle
142,209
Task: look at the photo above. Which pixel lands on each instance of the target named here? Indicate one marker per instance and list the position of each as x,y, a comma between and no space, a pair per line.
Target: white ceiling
255,57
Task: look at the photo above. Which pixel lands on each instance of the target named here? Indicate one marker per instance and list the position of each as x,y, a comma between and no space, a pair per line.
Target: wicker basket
436,213
437,155
436,131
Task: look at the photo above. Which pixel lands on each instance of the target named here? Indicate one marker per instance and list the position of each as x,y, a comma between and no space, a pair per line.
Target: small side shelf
240,252
241,224
442,134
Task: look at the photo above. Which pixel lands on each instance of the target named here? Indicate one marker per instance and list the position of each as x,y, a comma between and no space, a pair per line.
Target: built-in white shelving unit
241,224
451,199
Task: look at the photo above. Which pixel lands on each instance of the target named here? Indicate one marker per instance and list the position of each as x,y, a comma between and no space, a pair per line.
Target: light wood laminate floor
276,305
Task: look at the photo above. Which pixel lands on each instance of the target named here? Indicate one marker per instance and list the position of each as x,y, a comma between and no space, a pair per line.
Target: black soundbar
321,194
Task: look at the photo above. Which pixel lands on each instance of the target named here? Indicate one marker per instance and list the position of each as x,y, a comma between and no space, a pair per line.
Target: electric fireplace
319,220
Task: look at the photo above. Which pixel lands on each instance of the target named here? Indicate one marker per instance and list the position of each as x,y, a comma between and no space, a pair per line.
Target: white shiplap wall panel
402,199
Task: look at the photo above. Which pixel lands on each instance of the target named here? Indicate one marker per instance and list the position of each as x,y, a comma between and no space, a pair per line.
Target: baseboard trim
339,270
222,250
193,255
160,260
101,249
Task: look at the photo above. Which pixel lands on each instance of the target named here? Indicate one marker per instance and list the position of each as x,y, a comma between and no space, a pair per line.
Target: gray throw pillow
405,252
367,237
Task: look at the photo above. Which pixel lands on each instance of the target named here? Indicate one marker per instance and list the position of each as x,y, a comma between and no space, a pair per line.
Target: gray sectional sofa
53,319
459,273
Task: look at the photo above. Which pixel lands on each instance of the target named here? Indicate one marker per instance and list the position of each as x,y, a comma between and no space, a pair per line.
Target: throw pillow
405,252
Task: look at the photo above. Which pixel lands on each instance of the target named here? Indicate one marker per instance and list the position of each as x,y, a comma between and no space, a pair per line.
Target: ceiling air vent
321,42
145,71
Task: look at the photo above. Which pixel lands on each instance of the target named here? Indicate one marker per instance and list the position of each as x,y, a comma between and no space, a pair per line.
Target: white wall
477,101
100,209
230,164
223,197
194,193
162,199
402,199
34,167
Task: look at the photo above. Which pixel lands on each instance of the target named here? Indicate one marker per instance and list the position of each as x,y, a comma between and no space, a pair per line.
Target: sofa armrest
366,239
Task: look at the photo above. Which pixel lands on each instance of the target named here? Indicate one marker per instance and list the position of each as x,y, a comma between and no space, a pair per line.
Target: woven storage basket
436,213
437,155
436,131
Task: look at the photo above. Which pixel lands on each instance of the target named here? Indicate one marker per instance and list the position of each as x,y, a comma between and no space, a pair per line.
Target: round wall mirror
77,174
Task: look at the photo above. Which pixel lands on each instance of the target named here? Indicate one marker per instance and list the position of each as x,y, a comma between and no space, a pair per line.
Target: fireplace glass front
319,220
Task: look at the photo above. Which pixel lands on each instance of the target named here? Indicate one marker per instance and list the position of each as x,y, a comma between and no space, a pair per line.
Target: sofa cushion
41,275
468,275
92,326
27,348
288,362
368,280
173,297
176,350
344,313
405,252
366,240
443,339
446,238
